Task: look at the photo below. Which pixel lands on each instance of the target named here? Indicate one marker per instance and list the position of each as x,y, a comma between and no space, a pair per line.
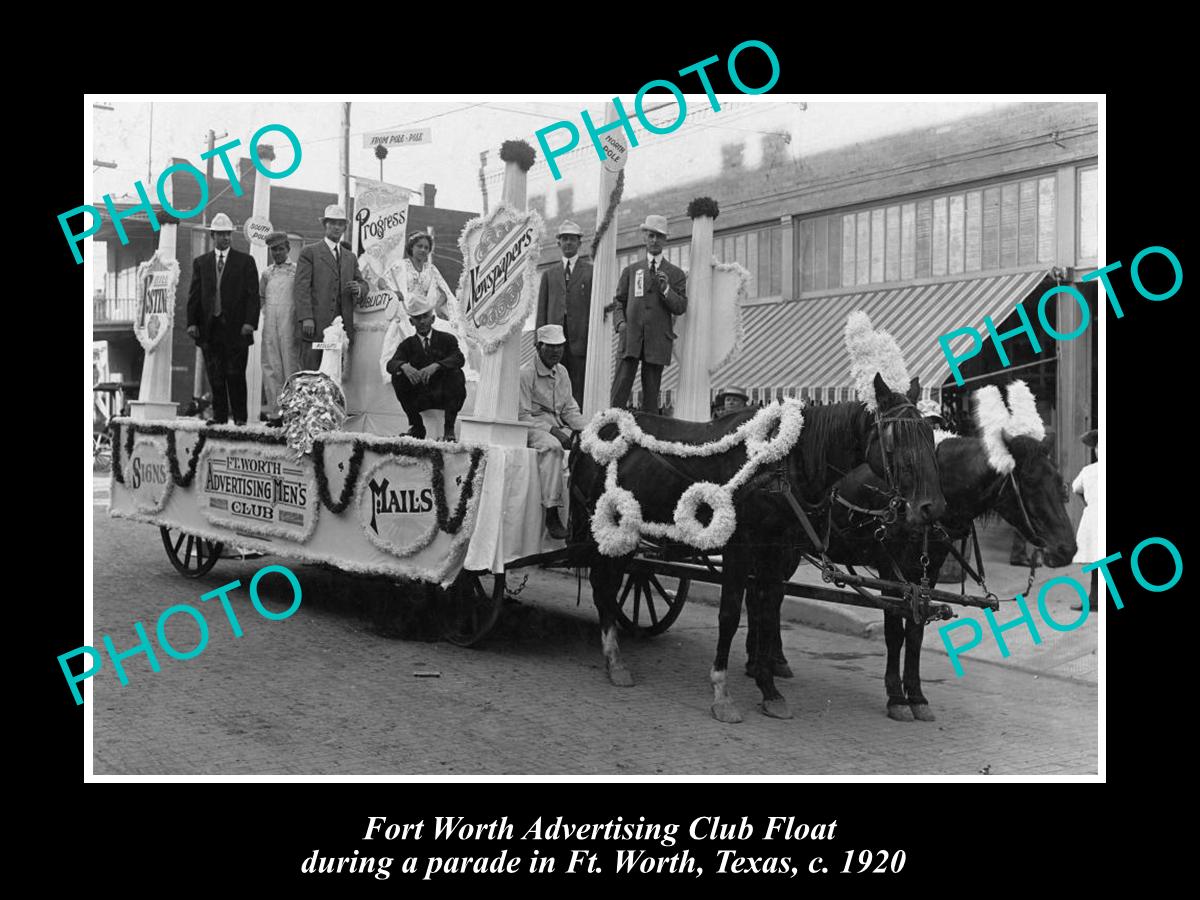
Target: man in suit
222,315
427,371
549,407
650,293
565,298
327,283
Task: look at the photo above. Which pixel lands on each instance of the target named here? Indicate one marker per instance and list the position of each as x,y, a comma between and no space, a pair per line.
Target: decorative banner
380,226
616,151
258,489
405,138
157,279
256,230
396,505
148,474
499,282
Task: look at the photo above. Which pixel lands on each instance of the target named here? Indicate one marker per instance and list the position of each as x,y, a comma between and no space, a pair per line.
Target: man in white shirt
548,406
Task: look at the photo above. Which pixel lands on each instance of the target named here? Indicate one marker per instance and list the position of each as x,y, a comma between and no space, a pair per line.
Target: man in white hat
222,315
650,294
548,405
565,298
427,371
280,347
730,400
327,283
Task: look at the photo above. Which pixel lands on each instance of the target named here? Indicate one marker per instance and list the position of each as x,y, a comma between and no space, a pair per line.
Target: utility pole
344,154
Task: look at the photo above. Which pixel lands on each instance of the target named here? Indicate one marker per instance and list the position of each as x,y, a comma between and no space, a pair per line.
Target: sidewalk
1069,655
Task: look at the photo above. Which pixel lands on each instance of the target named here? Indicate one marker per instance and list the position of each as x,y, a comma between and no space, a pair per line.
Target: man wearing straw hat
427,371
565,298
280,348
222,314
650,294
327,283
548,404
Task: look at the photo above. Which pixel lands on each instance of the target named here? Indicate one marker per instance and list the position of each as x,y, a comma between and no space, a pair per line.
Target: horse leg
606,581
914,635
779,663
897,703
733,585
768,598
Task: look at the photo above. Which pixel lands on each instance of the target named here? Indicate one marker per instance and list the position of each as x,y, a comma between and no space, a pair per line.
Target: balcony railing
114,310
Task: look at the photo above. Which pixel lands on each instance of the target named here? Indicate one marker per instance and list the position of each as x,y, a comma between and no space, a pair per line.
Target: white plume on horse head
992,418
1023,420
872,351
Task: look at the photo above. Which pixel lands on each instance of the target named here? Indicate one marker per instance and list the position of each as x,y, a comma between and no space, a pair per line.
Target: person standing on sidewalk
1087,485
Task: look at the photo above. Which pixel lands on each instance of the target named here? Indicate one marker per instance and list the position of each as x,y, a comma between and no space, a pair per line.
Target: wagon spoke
650,606
187,555
179,543
637,598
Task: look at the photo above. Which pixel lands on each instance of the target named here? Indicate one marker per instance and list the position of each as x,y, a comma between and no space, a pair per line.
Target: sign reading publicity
406,138
499,281
158,278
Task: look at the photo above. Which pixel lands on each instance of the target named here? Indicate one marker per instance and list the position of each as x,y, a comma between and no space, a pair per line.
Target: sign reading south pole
157,279
499,282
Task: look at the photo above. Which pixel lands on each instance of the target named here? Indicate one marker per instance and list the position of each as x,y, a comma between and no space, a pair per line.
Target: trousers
226,353
446,390
623,383
280,351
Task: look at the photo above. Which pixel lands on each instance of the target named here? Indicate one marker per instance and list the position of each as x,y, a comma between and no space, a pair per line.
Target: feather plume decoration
873,351
991,417
1023,417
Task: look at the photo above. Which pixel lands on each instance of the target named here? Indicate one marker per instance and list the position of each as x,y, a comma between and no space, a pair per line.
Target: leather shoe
414,432
276,422
449,436
216,422
554,524
239,421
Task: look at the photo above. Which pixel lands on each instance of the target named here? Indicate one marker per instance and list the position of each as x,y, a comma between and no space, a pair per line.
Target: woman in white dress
1087,539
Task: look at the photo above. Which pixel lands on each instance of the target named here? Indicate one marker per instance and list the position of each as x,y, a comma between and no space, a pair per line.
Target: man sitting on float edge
427,371
548,406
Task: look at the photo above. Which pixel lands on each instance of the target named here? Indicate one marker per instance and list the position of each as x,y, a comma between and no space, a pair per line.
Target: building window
1001,226
1088,223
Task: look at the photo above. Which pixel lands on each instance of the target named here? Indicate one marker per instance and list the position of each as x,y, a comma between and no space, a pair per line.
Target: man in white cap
222,315
650,294
565,298
731,400
327,283
548,405
280,347
427,371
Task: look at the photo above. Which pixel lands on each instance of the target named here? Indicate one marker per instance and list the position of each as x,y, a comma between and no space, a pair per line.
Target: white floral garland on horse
618,525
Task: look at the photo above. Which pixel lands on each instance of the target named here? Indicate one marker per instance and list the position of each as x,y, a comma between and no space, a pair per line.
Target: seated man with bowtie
427,371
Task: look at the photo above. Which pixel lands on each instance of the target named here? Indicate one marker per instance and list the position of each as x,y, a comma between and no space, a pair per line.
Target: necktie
337,257
567,270
220,269
425,341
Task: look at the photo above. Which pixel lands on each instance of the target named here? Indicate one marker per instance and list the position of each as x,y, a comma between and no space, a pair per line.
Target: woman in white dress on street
1087,539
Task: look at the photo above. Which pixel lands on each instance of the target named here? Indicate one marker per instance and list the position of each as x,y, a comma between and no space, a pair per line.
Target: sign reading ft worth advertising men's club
157,281
499,283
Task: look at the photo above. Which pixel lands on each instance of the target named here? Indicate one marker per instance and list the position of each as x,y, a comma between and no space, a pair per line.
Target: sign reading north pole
616,150
157,279
499,282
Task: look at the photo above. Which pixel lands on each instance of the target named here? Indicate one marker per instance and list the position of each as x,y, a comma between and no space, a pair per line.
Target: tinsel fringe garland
614,199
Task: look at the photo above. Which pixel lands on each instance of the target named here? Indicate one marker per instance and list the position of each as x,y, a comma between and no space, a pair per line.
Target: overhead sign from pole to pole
404,138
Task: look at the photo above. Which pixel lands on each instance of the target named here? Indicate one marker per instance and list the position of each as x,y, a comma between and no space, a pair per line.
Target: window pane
1089,237
877,245
834,271
1046,240
862,264
955,263
991,228
939,236
805,255
974,231
752,260
891,266
776,261
762,274
1008,225
908,241
739,249
1027,224
820,254
924,237
848,234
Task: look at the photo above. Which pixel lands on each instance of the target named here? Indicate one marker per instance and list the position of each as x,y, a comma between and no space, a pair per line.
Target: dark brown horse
1030,498
897,444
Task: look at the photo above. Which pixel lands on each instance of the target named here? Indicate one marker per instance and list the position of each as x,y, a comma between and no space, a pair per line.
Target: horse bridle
1036,540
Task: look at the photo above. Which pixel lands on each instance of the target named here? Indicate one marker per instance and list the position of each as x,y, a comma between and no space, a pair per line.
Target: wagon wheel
101,452
468,611
646,606
191,556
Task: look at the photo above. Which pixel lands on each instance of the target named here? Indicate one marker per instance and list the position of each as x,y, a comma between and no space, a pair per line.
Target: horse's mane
828,436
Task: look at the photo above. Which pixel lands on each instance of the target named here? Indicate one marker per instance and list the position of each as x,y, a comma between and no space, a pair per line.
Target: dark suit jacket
569,308
649,331
443,350
239,291
319,288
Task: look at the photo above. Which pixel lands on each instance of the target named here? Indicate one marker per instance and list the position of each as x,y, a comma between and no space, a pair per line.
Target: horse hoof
900,712
783,670
726,712
922,712
619,676
776,709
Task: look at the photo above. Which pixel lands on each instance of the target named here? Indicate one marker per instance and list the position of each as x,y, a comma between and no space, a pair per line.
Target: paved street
332,691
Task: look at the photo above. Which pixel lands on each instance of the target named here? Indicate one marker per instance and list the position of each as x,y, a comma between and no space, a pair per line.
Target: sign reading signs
256,230
380,225
500,279
157,279
261,490
148,475
405,138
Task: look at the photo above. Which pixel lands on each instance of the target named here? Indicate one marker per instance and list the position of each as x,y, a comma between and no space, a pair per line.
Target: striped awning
798,344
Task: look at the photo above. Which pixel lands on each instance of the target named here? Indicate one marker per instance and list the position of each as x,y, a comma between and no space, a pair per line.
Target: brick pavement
324,692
